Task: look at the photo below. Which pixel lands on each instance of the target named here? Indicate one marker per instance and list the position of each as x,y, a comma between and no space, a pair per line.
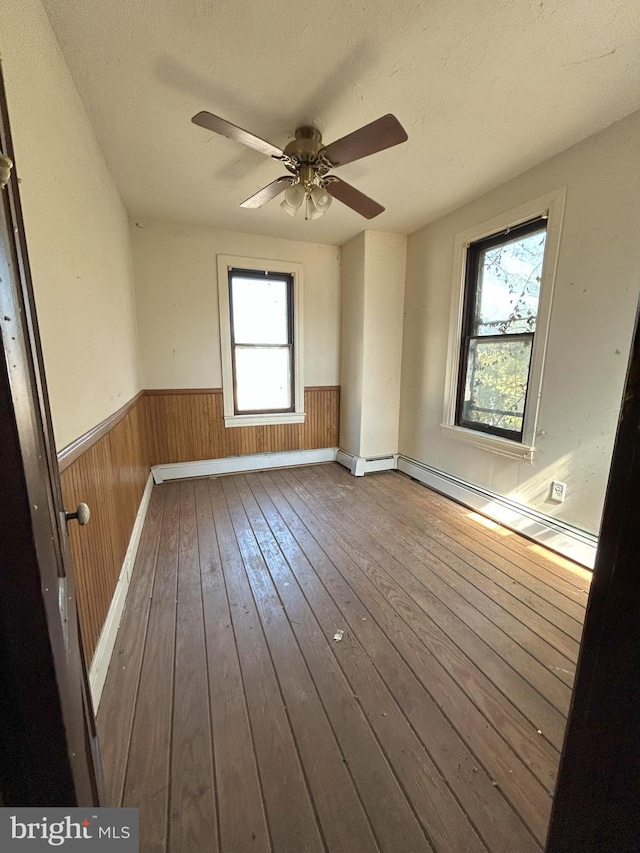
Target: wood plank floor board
340,813
452,624
569,576
148,768
315,618
192,803
390,814
411,600
236,722
242,823
563,614
290,813
491,617
374,626
495,615
115,715
503,766
420,780
546,572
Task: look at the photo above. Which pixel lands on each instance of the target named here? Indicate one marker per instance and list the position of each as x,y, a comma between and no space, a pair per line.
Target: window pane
263,378
509,286
496,383
260,310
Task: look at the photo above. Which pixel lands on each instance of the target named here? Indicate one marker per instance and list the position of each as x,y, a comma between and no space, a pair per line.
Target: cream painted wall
77,231
373,278
385,265
177,298
352,344
592,316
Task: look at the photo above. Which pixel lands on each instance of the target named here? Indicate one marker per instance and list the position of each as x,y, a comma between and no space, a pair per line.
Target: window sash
288,348
263,276
503,432
472,271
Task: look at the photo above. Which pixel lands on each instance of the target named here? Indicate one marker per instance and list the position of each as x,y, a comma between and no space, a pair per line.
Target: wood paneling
109,476
186,427
74,450
107,468
434,725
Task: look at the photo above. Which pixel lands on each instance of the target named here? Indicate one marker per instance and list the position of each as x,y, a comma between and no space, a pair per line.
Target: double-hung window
504,272
260,341
502,294
261,313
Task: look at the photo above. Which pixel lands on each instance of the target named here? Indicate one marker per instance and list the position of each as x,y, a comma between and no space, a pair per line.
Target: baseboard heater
238,464
361,465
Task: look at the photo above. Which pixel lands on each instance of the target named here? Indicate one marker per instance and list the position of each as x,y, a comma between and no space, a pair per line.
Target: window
502,294
261,310
260,341
504,274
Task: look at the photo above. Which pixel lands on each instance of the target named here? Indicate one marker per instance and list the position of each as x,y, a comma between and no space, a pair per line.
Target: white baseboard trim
361,465
237,464
104,649
577,545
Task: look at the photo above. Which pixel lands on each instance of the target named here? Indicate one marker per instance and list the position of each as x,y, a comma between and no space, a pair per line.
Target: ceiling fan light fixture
295,194
289,208
293,198
321,199
311,211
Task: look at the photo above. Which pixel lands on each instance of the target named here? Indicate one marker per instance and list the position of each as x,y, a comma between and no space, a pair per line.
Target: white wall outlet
558,491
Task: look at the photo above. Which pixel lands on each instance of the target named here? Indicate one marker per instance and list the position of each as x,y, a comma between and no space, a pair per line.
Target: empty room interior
336,303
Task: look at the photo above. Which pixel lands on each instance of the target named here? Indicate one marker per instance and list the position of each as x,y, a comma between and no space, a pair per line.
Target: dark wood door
597,802
48,748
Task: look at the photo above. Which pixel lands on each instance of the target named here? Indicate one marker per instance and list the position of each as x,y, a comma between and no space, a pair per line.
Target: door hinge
6,165
63,606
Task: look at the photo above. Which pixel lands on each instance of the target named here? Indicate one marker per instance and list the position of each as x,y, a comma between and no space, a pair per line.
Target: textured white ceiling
484,88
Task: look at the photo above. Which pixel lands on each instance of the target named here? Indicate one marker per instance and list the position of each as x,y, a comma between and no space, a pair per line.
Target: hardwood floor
237,721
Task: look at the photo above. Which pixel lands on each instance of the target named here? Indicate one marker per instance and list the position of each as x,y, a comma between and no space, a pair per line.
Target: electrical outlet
558,491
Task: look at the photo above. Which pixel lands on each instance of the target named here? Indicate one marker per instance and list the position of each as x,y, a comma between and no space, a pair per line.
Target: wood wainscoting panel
186,426
110,476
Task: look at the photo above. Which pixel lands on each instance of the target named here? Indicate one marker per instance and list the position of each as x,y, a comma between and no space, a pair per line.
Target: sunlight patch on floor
487,522
570,566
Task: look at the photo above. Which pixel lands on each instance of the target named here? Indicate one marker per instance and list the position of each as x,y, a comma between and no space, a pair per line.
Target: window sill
264,420
492,443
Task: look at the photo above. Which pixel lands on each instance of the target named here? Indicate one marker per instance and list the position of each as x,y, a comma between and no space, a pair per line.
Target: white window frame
550,206
231,419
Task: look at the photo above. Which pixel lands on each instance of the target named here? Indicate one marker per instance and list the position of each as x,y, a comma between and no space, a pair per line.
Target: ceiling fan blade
380,134
225,128
354,199
267,193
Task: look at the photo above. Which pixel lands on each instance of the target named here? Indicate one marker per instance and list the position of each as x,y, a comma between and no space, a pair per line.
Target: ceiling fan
309,162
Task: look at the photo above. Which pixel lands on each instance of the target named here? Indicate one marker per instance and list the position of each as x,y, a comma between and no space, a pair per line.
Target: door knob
81,515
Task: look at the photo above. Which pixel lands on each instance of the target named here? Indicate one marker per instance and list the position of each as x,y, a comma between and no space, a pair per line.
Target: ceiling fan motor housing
304,157
306,146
